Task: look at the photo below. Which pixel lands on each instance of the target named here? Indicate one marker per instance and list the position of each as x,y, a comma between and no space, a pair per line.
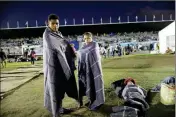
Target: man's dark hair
53,17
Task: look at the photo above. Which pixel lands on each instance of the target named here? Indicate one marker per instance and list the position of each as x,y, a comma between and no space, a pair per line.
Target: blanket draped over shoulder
90,75
58,71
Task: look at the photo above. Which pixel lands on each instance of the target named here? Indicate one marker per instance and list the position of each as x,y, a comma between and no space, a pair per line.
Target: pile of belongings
170,80
135,98
167,90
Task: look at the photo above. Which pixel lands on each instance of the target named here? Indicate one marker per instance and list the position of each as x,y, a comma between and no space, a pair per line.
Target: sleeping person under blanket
134,96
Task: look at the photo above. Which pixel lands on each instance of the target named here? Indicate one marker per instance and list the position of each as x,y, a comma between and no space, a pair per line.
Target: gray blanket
135,96
90,75
58,71
135,100
124,111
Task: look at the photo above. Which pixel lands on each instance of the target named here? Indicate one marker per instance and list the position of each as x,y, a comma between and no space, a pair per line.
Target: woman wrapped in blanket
90,74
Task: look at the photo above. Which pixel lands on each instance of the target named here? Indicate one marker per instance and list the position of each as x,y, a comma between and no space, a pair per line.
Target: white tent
167,38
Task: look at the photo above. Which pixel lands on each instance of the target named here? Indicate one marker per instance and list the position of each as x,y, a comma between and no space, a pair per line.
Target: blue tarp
130,43
76,43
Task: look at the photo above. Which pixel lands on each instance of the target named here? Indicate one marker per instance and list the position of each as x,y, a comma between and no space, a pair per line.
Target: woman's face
87,38
130,83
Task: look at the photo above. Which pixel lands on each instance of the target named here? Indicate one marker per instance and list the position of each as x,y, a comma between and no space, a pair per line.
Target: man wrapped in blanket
134,96
90,74
59,75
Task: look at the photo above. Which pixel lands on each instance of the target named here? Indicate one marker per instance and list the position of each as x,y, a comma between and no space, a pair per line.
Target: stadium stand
142,34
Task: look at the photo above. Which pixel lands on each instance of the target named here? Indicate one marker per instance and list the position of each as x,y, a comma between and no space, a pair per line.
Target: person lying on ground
133,95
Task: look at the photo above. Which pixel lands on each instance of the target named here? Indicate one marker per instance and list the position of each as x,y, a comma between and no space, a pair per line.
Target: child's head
87,37
129,81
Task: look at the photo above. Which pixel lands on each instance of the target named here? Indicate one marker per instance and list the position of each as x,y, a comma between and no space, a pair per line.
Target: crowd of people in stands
13,46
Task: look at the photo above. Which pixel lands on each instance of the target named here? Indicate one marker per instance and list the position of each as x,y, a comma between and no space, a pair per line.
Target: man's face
87,38
54,24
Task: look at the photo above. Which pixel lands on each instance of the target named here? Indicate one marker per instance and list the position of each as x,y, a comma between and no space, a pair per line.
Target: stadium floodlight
119,19
26,24
83,21
65,21
36,23
136,18
8,26
128,19
162,17
170,16
92,20
101,20
153,17
73,21
145,18
46,23
18,24
110,20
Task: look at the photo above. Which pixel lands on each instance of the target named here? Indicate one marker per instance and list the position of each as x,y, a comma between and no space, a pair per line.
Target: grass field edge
4,95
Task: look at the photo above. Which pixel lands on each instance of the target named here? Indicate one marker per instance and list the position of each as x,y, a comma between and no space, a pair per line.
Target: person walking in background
26,53
33,56
3,58
108,51
8,51
150,47
113,51
119,50
128,49
103,51
158,48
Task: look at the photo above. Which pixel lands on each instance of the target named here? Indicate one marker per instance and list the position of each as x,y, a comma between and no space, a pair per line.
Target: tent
167,38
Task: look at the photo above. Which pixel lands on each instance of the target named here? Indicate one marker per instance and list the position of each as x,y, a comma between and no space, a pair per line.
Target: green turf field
147,70
15,65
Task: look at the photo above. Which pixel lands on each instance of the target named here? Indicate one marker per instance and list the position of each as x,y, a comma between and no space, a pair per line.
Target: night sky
32,11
